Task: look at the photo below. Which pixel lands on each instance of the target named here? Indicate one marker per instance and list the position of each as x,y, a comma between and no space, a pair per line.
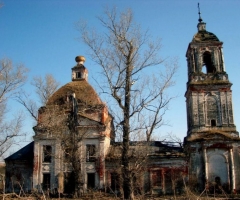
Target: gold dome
80,59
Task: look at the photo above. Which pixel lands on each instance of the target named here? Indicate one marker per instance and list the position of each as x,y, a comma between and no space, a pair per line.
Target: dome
205,36
83,92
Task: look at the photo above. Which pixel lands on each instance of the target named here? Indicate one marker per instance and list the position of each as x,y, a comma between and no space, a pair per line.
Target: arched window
207,62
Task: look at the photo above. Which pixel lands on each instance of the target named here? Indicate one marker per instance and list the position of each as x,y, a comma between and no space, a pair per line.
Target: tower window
213,122
78,75
207,60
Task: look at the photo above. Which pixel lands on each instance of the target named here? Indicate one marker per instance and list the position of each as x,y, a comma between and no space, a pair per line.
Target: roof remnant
25,153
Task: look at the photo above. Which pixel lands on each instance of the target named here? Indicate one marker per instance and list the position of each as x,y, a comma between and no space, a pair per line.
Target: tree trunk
125,163
77,176
127,189
76,164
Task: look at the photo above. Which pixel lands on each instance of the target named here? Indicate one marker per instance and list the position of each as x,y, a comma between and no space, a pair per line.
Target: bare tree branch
12,77
45,87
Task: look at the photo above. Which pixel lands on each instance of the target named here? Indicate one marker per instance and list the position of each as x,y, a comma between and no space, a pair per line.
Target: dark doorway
218,180
46,181
90,180
213,122
115,181
218,188
69,182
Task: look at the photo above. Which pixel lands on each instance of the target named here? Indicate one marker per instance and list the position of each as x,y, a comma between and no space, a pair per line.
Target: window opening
47,153
46,181
156,178
213,122
90,153
207,62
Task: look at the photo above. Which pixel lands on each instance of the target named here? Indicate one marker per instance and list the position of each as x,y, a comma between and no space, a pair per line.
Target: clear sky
41,34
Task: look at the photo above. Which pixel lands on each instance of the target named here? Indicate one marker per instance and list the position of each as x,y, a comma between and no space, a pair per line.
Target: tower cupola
79,72
205,55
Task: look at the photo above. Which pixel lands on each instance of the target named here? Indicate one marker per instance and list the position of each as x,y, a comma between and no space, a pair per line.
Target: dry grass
2,168
98,196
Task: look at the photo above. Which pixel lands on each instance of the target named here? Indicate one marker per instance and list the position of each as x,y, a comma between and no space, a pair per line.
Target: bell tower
209,94
212,141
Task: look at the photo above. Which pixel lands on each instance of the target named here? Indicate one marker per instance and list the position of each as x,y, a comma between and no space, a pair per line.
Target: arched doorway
218,171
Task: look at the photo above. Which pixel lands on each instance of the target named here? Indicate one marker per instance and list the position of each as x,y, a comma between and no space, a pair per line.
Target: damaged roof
25,153
143,148
205,36
82,89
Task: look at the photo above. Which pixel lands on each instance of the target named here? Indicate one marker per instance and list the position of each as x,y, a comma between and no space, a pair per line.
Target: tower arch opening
204,69
207,63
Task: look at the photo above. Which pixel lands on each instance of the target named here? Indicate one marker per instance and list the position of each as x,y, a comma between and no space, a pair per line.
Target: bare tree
44,88
12,77
126,55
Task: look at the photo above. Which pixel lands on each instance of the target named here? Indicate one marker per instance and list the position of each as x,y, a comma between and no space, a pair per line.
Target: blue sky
41,34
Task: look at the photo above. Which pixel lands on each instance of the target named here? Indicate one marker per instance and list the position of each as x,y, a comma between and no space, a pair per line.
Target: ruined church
210,155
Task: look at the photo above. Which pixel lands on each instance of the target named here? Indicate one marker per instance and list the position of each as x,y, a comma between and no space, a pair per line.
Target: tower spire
201,25
199,13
